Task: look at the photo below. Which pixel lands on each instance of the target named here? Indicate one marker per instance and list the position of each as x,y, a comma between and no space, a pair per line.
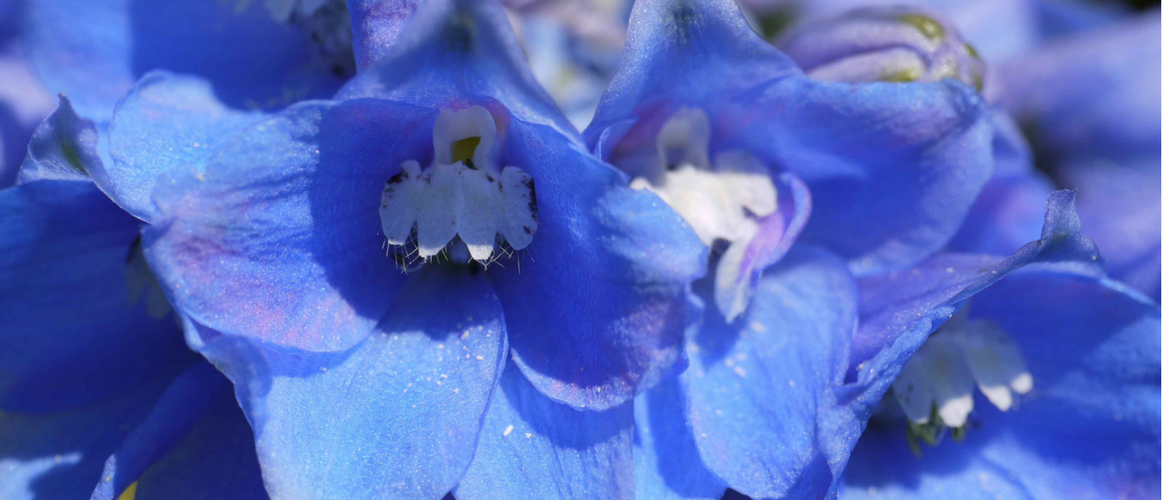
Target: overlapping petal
215,459
376,26
293,201
63,147
396,416
1120,207
165,122
458,52
757,389
599,304
94,51
1009,211
532,446
190,444
60,454
67,247
918,299
667,461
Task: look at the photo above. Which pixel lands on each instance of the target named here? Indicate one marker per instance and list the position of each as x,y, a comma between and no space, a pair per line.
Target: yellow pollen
463,149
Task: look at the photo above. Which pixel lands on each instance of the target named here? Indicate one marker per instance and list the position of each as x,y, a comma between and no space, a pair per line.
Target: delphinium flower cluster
580,249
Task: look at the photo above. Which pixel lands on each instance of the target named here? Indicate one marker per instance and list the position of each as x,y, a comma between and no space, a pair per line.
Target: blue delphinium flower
426,284
1067,362
730,133
909,44
98,392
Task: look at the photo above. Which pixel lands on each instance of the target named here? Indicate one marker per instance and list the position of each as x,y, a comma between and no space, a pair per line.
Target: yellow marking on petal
927,26
130,492
463,149
902,75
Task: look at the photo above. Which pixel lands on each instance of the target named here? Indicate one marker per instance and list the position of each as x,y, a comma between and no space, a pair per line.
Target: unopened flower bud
890,44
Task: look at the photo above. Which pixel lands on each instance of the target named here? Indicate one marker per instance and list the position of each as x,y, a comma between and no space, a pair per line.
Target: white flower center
963,353
721,201
463,194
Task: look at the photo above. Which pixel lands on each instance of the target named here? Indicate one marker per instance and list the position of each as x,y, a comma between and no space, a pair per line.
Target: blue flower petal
63,147
1120,208
396,416
919,299
1009,211
851,144
216,459
706,44
95,51
1089,429
166,121
276,236
599,304
457,52
66,248
757,388
882,467
184,403
667,462
534,447
855,173
376,26
60,454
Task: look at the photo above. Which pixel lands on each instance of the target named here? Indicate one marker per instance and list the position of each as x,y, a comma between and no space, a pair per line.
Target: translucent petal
995,362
